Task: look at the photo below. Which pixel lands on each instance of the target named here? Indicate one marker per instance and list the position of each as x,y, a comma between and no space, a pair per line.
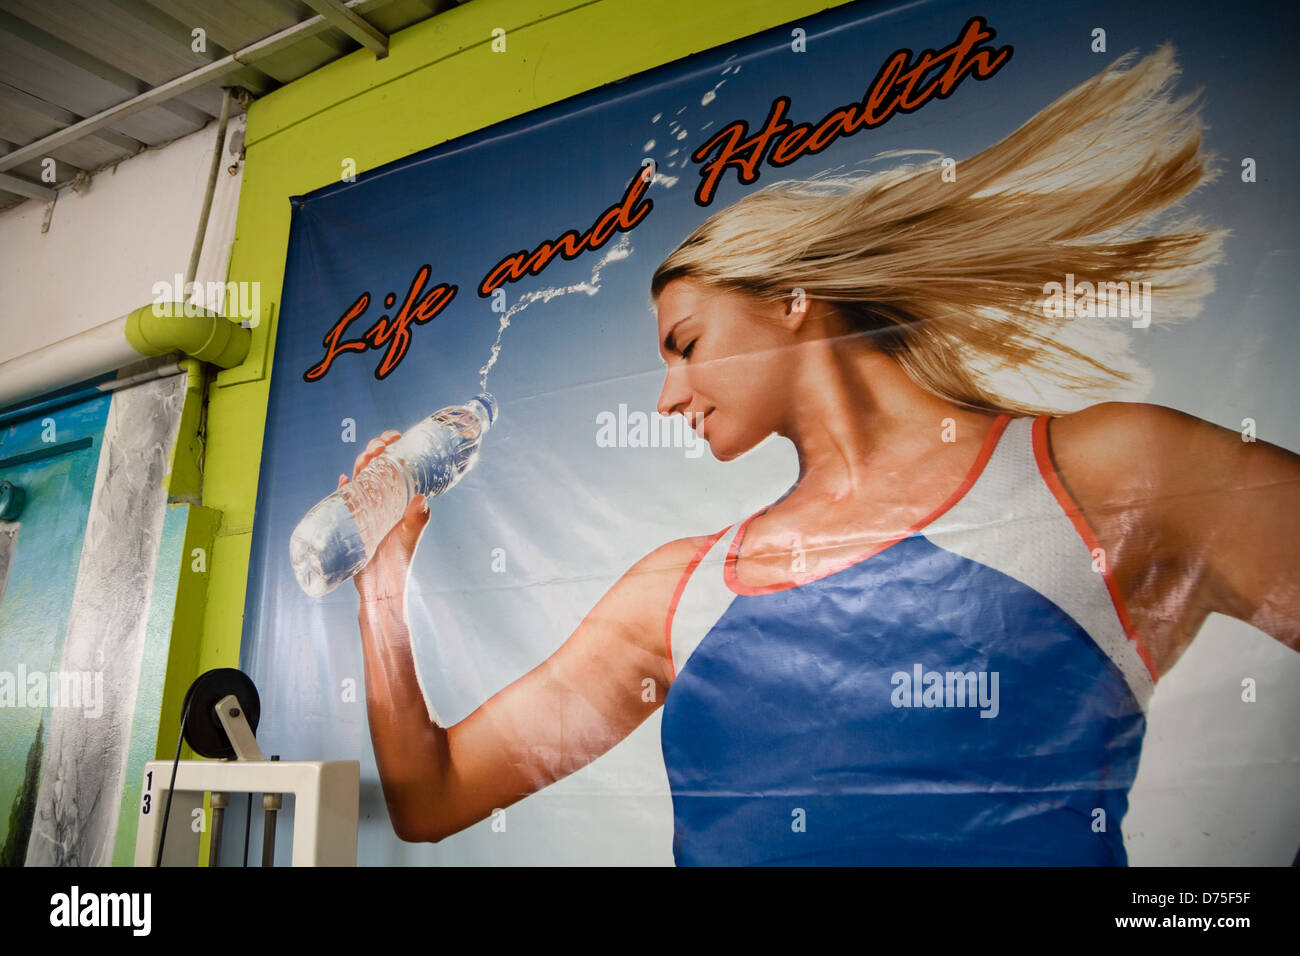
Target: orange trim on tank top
985,453
700,552
1043,456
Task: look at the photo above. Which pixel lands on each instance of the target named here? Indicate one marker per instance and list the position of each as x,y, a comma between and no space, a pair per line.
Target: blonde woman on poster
937,647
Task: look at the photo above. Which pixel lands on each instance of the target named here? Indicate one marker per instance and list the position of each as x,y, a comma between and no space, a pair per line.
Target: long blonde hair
949,277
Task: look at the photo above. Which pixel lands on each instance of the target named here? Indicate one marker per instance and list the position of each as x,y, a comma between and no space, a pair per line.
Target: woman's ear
797,306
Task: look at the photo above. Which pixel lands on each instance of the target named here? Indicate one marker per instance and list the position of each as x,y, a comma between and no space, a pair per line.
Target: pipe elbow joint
165,327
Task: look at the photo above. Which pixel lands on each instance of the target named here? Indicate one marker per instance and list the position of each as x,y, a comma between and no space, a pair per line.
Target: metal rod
271,802
248,820
206,211
219,803
353,24
268,838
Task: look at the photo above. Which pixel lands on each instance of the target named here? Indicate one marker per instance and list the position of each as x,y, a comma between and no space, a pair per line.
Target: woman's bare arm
1196,519
557,718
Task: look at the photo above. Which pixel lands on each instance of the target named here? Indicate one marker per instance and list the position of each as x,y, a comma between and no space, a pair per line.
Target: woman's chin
723,451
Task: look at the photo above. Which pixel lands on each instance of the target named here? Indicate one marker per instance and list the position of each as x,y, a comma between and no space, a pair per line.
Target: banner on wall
819,450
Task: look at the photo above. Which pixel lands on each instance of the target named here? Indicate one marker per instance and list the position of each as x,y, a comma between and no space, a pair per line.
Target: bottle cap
489,405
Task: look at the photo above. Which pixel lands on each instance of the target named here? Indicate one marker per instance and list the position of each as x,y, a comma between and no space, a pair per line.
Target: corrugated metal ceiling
64,61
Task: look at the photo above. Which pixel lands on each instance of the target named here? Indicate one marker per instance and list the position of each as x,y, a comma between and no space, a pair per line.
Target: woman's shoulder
1118,421
1129,453
652,582
1128,433
678,555
633,611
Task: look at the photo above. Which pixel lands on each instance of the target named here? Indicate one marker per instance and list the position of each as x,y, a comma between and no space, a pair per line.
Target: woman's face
728,358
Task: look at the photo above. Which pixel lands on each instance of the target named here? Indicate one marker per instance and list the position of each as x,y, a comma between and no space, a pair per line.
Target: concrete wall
107,245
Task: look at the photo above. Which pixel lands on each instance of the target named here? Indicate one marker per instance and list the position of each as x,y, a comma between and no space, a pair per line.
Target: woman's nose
674,394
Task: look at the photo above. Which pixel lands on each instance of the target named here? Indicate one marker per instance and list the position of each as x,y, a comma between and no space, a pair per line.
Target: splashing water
677,132
620,250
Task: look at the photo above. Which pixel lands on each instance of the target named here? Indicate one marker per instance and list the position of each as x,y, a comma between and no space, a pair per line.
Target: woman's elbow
413,820
415,829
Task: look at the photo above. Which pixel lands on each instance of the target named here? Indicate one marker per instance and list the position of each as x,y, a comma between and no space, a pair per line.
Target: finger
343,480
417,512
390,436
373,448
413,521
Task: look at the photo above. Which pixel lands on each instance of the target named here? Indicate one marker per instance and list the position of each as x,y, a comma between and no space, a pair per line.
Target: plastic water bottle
339,535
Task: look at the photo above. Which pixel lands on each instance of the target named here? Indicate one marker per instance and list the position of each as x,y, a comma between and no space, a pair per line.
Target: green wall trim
185,660
184,481
184,656
440,81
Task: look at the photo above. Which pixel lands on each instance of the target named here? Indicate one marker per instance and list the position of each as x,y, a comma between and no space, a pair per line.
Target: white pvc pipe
74,359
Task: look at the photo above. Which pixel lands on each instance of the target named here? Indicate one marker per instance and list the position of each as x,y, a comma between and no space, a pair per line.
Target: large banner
866,442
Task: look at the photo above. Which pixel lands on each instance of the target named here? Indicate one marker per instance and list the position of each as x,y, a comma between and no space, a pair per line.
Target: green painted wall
440,81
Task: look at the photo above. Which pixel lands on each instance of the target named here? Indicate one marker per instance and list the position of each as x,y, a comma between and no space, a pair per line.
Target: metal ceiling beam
68,170
23,187
353,24
188,81
92,65
57,114
211,73
255,81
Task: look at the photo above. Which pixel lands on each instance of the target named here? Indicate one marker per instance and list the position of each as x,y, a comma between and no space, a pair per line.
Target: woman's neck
860,418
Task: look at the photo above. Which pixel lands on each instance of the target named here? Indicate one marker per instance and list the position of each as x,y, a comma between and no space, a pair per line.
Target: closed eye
686,352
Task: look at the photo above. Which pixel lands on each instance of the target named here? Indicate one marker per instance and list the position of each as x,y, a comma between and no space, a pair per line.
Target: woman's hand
384,577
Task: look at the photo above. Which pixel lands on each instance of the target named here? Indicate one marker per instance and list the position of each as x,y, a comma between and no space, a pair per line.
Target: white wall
107,245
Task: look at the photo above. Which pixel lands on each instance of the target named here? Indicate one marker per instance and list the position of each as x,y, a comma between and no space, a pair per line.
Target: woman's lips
699,426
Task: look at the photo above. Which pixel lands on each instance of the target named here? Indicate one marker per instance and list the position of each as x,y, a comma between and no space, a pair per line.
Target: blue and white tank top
971,693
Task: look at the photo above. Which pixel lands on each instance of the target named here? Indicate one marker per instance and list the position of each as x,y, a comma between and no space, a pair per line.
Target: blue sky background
572,516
